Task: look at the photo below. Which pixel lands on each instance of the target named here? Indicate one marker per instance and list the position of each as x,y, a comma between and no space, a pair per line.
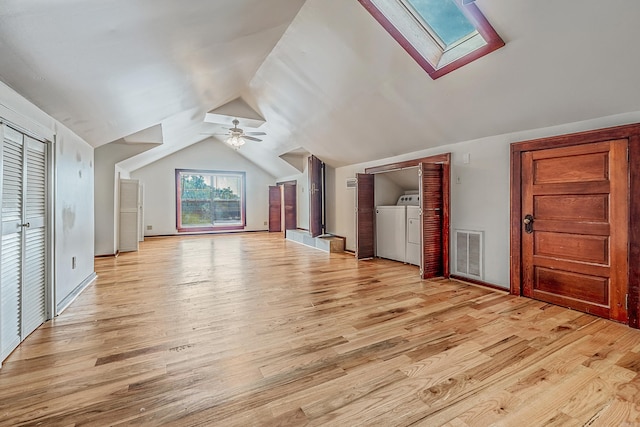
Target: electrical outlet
73,263
149,227
265,223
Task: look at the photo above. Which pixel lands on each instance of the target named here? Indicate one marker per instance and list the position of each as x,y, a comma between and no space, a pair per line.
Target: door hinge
626,301
419,172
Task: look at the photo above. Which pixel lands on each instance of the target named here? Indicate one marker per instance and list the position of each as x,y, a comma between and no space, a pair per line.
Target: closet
23,250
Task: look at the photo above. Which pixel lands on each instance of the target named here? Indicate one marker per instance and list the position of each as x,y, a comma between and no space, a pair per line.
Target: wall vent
352,182
468,249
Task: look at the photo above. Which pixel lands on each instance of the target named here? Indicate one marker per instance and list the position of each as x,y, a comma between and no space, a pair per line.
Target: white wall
386,192
73,193
480,201
106,191
158,179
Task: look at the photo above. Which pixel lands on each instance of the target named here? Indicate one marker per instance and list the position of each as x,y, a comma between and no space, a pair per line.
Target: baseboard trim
478,282
74,294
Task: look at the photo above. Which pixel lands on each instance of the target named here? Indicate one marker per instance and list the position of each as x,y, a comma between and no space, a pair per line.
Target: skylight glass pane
444,17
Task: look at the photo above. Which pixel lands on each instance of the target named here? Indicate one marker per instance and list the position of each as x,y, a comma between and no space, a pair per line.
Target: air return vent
352,182
468,252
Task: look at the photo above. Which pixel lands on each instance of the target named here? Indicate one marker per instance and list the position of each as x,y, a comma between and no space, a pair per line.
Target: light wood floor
248,330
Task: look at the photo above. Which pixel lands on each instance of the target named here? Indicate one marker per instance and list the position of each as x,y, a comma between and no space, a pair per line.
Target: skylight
441,35
445,19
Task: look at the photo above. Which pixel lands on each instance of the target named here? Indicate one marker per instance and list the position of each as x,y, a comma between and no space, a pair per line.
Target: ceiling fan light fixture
235,141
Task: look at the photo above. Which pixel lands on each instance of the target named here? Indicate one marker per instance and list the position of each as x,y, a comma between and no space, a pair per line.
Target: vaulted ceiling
324,74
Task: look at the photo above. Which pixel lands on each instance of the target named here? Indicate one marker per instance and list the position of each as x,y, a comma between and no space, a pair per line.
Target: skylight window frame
429,52
423,23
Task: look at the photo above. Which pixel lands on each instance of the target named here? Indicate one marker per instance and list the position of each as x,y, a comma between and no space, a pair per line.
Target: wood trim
634,232
515,242
578,138
446,215
471,11
438,158
478,282
292,182
630,132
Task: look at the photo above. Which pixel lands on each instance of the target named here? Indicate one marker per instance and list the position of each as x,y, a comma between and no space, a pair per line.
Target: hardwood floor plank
251,330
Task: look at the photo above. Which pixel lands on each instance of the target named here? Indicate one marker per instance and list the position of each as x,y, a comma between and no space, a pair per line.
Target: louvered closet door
23,256
34,281
11,255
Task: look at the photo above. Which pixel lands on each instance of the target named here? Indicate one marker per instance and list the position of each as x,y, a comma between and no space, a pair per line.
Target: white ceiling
323,73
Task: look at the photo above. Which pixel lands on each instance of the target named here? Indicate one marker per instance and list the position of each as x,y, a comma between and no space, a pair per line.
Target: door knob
528,223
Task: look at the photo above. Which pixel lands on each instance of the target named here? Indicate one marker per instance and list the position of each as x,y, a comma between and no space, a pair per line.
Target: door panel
12,242
23,278
290,207
35,210
274,209
364,216
431,208
575,254
315,196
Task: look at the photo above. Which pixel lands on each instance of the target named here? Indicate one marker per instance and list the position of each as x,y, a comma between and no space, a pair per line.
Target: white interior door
35,237
141,213
23,280
129,194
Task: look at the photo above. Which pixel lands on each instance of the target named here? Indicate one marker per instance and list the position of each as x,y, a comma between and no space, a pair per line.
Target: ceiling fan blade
255,133
250,138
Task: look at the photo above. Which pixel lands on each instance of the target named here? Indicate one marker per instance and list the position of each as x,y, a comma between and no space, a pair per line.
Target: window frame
484,30
243,200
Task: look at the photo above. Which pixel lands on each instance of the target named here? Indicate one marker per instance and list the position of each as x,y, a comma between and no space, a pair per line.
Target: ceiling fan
236,136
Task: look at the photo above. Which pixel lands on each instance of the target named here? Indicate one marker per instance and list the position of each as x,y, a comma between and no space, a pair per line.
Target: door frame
629,132
445,160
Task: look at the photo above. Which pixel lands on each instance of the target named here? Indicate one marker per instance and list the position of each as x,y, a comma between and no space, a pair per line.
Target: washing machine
392,230
412,250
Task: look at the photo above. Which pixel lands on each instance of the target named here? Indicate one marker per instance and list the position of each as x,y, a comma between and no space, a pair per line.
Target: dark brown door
431,211
315,196
575,227
275,204
364,216
290,204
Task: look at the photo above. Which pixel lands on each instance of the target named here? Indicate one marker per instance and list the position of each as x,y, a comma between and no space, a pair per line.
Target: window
441,35
209,200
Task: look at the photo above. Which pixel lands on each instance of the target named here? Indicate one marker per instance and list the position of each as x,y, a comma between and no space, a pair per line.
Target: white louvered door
35,210
23,248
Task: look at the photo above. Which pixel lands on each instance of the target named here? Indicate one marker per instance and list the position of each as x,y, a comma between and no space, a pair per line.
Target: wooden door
290,206
364,216
575,205
275,206
315,196
431,212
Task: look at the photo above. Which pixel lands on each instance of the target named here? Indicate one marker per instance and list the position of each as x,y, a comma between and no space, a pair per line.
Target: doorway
283,206
574,234
434,189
